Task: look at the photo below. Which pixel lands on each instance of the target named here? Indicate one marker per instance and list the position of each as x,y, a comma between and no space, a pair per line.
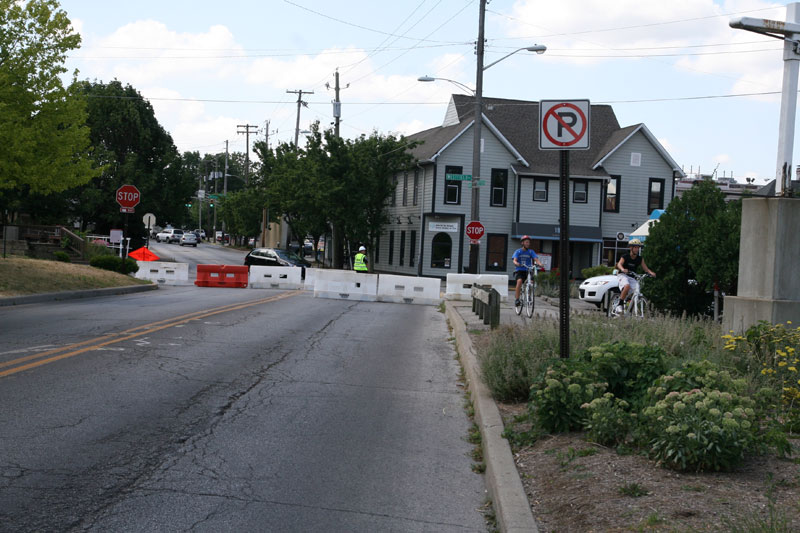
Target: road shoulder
74,295
502,479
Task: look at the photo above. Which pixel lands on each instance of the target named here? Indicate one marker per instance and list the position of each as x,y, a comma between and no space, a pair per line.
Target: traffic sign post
474,231
564,126
149,221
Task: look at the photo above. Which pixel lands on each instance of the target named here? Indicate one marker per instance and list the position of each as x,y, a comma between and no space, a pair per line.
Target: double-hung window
499,187
611,201
580,192
540,186
655,196
452,188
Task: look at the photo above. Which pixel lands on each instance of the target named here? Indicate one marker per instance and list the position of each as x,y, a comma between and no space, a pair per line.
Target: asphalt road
232,410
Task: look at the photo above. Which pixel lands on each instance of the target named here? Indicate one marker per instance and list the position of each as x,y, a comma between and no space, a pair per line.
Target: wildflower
745,424
793,369
782,363
574,389
691,435
730,423
679,406
714,412
585,406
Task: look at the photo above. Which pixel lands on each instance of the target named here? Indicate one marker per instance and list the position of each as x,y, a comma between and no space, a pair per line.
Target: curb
511,504
74,295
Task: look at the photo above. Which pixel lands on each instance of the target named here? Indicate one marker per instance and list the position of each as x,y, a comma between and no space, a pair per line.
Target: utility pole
336,236
474,249
247,130
300,103
265,210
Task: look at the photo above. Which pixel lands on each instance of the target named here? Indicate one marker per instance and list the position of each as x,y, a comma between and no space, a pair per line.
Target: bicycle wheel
529,300
518,304
642,307
614,308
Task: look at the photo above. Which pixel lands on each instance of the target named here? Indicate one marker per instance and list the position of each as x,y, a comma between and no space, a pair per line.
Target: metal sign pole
563,262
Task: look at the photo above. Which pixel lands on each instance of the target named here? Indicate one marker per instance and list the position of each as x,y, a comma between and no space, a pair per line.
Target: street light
476,146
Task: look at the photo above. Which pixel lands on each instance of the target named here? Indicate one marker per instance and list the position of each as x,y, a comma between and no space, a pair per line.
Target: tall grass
514,356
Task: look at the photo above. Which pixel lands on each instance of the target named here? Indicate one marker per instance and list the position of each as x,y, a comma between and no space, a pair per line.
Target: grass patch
513,357
21,276
634,490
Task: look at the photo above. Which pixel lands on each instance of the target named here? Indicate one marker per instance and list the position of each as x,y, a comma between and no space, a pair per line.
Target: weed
474,435
653,520
477,331
564,459
634,490
442,307
693,488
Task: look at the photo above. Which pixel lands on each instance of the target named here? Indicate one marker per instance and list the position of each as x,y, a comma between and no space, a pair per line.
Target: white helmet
362,249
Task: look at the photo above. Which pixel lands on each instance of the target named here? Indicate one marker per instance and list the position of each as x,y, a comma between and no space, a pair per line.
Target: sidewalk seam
503,483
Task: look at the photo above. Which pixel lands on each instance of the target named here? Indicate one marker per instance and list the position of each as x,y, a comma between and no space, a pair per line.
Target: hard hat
362,249
635,242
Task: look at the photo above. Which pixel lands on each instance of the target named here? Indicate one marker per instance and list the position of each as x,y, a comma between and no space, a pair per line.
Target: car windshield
283,254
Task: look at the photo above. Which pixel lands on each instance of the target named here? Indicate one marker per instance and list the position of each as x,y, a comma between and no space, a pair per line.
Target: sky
709,93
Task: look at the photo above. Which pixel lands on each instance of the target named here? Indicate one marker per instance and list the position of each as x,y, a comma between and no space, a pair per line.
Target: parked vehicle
189,239
169,235
594,289
275,257
201,234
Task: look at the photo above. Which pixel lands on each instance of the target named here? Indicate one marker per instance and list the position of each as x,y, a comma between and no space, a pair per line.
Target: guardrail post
494,309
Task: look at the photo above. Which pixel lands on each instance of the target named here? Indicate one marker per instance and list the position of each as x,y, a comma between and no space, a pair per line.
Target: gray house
614,186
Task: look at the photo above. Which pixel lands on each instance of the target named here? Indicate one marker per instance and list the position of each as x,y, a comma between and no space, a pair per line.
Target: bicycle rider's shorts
627,280
521,274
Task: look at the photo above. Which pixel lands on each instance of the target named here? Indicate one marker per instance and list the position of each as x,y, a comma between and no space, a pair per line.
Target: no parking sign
564,124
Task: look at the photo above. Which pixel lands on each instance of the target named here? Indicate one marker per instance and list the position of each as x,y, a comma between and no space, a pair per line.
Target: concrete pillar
769,256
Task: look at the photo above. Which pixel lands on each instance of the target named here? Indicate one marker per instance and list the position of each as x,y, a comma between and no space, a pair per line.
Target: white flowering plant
557,397
609,420
700,430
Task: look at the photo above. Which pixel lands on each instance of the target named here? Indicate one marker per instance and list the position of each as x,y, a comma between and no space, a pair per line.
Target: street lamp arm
538,48
454,82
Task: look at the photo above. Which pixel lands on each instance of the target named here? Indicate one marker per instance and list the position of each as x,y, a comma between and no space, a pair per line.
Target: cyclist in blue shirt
523,258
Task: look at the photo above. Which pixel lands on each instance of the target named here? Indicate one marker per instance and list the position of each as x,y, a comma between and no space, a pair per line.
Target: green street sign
481,183
458,177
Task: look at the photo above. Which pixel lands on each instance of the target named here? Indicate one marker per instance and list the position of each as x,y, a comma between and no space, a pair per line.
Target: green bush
114,263
628,368
558,396
695,375
599,270
62,256
608,420
700,430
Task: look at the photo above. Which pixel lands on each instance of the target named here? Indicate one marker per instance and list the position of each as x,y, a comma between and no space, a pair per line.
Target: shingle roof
518,121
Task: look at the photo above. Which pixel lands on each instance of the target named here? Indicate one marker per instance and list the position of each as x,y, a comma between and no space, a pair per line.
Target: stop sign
128,196
475,230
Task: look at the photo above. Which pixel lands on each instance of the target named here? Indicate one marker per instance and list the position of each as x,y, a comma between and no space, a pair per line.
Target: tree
44,142
693,247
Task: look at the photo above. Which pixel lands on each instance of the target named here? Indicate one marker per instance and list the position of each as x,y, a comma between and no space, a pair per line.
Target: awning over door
552,232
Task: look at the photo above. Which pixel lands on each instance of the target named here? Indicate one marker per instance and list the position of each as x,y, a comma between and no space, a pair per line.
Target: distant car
201,233
189,239
275,257
169,235
594,289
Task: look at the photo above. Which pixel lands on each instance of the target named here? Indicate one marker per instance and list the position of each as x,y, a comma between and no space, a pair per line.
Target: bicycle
527,293
637,304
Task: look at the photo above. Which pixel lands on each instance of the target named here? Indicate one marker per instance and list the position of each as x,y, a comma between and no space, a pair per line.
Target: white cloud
721,159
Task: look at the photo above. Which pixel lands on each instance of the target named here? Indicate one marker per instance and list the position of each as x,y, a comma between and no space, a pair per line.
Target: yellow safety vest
360,262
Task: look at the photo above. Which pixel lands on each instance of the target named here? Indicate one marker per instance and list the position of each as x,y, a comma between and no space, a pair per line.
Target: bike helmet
635,242
362,249
525,237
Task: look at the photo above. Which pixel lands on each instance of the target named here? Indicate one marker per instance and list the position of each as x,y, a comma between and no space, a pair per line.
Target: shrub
510,364
558,395
700,430
62,256
114,263
695,375
628,368
608,420
599,270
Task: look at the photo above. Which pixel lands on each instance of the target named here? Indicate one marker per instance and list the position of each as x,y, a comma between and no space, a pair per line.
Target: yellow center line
114,338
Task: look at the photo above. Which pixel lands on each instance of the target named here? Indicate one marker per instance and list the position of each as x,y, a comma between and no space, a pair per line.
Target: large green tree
694,247
133,148
44,142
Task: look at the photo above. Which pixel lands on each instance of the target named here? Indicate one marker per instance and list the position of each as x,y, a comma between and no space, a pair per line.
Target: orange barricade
222,276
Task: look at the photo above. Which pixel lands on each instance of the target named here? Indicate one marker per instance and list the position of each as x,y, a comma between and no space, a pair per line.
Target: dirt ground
577,486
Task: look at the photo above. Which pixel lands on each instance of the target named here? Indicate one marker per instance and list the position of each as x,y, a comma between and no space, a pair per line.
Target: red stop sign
475,230
128,196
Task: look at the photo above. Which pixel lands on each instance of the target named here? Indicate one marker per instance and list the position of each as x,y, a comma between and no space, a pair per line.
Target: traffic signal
188,205
211,204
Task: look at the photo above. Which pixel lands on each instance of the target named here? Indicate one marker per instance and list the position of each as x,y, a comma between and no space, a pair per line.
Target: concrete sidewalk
503,483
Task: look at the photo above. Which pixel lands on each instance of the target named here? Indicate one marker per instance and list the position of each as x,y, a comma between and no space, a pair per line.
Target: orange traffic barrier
222,276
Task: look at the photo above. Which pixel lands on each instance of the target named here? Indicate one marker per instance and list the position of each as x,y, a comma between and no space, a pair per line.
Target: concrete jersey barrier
459,286
311,276
346,285
409,289
275,277
163,272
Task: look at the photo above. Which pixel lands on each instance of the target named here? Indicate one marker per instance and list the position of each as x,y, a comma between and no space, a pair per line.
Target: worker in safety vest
360,264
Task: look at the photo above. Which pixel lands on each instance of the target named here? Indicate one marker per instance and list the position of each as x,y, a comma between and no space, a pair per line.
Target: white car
189,239
169,235
594,289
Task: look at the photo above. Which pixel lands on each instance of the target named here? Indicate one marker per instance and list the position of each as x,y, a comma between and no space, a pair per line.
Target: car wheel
195,245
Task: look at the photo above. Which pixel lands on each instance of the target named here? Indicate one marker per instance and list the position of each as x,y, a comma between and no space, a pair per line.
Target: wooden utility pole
300,103
247,130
